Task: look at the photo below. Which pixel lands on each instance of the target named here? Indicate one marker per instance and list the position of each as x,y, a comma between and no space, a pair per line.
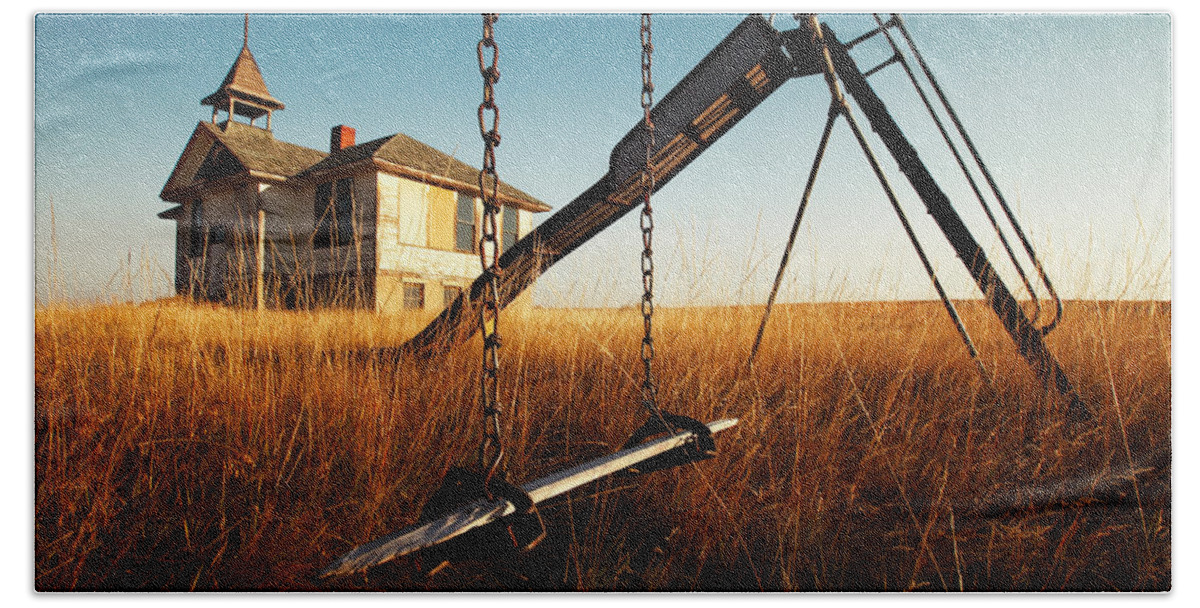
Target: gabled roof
258,150
215,152
423,162
244,81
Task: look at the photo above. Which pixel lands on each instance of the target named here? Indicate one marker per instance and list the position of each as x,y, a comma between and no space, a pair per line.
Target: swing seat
439,528
462,487
699,447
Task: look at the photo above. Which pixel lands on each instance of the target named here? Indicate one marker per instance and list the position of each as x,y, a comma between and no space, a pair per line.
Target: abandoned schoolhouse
391,224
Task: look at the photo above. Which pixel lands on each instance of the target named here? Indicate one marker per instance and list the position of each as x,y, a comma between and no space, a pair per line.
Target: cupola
243,93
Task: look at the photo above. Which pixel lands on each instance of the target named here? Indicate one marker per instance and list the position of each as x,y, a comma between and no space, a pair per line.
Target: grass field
187,447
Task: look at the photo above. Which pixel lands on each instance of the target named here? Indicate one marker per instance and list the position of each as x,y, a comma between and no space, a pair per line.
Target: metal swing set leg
839,68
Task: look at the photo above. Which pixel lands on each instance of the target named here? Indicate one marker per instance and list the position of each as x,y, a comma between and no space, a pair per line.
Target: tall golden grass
183,446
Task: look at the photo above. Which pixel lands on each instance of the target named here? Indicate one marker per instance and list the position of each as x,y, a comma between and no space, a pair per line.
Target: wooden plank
482,512
441,218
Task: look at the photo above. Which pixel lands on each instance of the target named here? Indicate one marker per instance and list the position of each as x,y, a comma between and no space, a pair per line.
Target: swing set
753,61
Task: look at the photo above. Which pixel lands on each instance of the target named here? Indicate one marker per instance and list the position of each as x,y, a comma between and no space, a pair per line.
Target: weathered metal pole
1026,337
259,299
834,112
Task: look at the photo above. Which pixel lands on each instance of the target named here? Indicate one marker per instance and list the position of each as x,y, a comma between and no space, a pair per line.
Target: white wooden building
390,224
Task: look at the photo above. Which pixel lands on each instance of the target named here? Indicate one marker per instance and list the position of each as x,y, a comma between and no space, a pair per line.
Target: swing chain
491,450
701,445
649,391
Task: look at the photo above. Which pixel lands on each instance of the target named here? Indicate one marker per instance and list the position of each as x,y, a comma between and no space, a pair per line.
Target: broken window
333,212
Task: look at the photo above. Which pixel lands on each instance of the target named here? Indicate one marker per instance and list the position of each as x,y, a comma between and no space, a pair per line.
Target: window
450,293
333,212
509,230
414,296
196,230
464,224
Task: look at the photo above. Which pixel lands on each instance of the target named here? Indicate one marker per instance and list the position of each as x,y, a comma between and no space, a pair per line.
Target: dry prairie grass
191,447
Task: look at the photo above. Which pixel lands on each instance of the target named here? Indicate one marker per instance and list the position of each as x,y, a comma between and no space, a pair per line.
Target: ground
184,447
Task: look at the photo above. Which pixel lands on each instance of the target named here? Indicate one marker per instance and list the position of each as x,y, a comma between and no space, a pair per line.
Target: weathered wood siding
218,212
430,267
301,274
524,222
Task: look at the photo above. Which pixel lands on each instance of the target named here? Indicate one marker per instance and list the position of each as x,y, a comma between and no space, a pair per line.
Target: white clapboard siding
524,223
430,263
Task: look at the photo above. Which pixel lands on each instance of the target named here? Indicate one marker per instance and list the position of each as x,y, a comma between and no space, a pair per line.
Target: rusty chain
491,449
649,391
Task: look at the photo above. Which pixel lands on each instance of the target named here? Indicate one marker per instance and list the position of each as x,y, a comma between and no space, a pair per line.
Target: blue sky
1072,112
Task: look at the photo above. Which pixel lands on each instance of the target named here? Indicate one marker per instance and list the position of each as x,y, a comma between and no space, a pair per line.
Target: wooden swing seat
483,512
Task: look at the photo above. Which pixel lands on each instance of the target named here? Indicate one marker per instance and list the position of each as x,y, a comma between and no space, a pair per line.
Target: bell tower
243,92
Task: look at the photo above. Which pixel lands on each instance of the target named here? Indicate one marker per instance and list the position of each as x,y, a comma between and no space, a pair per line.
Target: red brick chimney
340,138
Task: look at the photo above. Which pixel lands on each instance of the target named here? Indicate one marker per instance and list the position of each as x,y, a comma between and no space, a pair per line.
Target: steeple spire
243,92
